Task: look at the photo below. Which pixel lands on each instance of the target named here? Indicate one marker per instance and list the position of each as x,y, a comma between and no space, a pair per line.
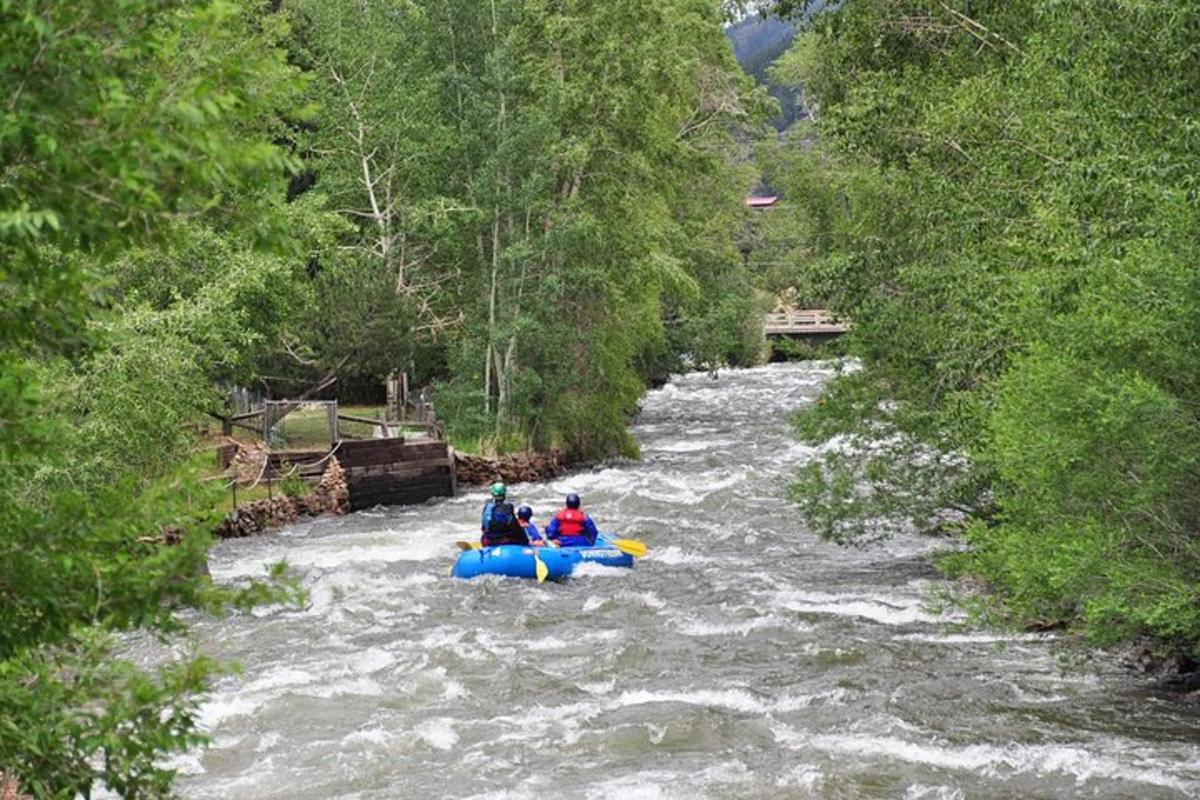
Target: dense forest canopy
529,205
1003,199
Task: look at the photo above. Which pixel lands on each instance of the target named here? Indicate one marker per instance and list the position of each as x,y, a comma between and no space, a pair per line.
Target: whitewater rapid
741,659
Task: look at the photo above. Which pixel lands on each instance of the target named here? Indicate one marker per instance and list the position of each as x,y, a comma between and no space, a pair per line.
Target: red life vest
570,522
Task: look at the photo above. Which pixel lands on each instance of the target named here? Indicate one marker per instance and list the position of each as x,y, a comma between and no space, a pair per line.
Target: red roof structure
762,202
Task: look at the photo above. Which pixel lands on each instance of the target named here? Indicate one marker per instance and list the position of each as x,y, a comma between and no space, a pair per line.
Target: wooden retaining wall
389,472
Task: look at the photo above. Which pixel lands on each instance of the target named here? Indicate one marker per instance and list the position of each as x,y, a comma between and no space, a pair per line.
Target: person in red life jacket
499,524
571,527
525,519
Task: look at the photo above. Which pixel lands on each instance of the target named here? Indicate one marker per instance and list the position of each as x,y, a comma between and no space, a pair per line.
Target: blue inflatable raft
517,561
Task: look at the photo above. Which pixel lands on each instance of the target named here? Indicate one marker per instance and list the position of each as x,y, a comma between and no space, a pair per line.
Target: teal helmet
498,490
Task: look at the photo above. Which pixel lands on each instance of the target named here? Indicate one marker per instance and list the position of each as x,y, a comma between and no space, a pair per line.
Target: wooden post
403,395
393,396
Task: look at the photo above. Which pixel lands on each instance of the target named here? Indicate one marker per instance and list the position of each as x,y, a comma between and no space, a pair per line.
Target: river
742,659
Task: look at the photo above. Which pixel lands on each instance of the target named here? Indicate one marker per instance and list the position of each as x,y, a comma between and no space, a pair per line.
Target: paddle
539,567
633,547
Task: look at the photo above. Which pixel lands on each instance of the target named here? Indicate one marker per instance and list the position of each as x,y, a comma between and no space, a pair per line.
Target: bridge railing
801,321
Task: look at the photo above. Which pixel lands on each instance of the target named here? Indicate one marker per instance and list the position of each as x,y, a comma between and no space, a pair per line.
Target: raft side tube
519,561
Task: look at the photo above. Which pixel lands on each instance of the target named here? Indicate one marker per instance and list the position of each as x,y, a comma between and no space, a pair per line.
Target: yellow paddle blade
540,568
467,545
631,546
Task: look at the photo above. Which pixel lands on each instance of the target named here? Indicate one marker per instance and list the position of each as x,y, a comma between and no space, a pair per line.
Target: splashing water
742,658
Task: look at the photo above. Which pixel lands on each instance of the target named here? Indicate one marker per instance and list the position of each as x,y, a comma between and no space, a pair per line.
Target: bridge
805,322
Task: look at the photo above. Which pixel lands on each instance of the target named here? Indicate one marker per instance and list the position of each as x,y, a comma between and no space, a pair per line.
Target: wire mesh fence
300,425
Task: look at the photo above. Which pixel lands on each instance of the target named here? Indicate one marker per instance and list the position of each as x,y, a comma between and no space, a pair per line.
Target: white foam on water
372,737
443,637
278,678
990,760
1029,698
367,661
610,479
975,638
892,611
677,556
454,690
737,627
590,569
725,772
438,732
358,687
737,700
381,547
268,741
599,687
806,777
535,723
188,764
508,794
648,599
691,446
549,644
226,706
920,792
641,786
430,683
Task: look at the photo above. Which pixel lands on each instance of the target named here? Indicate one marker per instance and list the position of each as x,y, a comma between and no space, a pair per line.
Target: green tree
124,124
1008,225
525,166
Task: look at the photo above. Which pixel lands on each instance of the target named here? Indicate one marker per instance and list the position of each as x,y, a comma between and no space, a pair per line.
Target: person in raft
525,520
571,527
499,524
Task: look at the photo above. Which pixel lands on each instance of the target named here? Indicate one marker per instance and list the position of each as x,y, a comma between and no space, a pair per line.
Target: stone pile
248,462
513,468
10,788
330,496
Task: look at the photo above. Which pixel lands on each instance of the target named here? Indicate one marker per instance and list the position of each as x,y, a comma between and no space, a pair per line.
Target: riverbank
329,496
293,500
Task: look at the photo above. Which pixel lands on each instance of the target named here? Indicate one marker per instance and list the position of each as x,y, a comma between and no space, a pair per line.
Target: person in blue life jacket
499,524
571,527
525,520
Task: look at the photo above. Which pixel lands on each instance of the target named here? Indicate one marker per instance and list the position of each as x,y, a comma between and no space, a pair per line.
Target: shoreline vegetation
1003,200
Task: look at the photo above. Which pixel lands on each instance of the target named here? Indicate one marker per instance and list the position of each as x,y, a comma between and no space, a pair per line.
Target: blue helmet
524,512
572,500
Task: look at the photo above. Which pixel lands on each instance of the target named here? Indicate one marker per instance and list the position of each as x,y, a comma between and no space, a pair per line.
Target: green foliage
74,715
1008,218
129,137
532,189
293,485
